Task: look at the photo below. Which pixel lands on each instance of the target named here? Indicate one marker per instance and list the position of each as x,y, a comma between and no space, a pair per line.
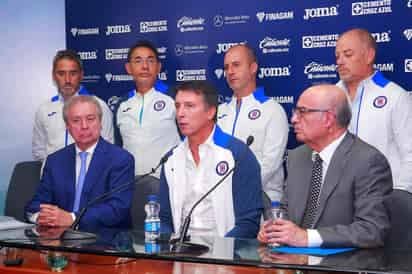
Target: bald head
246,51
333,98
363,36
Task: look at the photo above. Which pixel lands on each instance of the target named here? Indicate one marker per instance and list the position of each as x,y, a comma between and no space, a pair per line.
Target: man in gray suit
337,183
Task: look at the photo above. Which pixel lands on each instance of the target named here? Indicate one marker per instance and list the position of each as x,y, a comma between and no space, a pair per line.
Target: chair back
399,204
23,183
147,186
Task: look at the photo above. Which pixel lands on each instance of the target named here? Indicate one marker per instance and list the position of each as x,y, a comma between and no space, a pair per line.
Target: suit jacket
351,208
109,167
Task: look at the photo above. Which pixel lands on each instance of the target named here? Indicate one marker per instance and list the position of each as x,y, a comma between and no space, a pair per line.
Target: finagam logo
185,24
88,55
382,37
274,16
371,7
117,77
89,31
223,47
315,70
153,26
118,29
321,12
384,67
274,72
190,74
274,45
408,33
116,54
319,41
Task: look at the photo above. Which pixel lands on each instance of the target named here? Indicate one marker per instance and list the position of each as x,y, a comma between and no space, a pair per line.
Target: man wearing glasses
337,183
145,121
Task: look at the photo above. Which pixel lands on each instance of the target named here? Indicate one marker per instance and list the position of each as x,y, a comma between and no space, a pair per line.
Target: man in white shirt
336,185
206,155
49,130
251,113
145,120
381,109
75,175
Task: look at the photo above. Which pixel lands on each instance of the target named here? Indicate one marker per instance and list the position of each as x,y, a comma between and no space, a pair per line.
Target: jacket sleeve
373,183
115,211
273,150
39,139
247,197
166,219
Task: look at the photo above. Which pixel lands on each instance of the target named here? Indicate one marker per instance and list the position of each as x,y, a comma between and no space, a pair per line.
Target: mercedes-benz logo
218,21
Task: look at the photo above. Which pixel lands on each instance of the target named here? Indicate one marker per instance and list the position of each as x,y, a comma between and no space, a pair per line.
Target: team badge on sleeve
254,114
159,105
222,167
380,101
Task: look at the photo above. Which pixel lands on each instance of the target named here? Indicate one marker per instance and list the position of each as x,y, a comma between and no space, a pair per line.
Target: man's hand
283,232
51,215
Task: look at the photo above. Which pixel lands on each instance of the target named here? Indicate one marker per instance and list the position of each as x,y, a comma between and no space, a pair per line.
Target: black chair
147,186
22,186
400,209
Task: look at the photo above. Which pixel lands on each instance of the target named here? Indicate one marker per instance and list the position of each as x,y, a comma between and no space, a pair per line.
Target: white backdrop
31,32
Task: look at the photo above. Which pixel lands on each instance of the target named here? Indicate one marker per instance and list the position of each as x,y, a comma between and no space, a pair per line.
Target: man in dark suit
336,183
78,173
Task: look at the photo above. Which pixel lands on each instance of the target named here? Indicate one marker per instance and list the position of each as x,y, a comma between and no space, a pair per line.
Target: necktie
312,203
80,181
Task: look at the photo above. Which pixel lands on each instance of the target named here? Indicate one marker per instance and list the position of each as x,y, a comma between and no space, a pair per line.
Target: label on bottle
152,226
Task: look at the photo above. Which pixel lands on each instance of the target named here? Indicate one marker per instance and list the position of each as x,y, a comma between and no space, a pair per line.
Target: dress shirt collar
90,150
327,152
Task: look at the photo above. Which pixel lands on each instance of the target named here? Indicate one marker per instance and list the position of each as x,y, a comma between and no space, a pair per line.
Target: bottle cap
275,204
151,198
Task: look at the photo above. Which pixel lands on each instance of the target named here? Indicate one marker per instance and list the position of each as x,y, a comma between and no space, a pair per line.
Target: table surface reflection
228,251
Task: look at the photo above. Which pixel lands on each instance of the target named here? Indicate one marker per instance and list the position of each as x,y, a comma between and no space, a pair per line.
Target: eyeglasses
299,111
140,61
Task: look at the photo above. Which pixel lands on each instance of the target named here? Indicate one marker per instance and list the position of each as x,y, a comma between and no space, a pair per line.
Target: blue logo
222,167
380,101
51,114
159,105
254,114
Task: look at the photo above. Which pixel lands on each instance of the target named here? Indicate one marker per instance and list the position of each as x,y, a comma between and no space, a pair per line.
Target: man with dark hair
49,131
381,109
336,186
78,173
251,112
207,154
145,120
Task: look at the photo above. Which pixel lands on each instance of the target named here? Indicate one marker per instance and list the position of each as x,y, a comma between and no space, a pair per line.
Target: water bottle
276,213
152,221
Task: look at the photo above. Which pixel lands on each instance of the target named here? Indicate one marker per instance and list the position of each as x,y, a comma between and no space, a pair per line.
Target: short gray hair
81,99
343,112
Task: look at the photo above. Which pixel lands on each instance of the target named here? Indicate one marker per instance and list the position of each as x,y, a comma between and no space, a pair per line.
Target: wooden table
35,262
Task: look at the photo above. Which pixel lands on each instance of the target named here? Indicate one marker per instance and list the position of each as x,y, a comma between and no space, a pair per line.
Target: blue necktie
80,181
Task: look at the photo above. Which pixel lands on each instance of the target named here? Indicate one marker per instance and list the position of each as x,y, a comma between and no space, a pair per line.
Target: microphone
180,246
73,232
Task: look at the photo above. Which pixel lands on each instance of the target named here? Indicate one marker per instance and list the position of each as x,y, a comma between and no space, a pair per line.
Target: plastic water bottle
276,213
152,221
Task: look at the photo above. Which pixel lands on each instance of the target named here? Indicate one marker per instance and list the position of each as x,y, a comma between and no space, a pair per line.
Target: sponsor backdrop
294,40
31,34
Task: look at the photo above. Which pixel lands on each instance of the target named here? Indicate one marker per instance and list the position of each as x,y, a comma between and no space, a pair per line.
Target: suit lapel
304,174
334,173
95,167
69,176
